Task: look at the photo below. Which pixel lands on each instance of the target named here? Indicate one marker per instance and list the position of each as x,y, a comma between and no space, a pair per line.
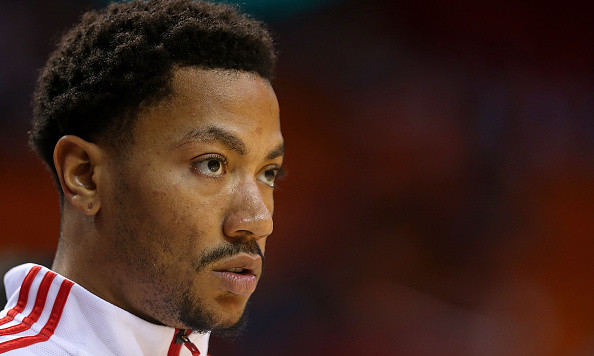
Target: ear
78,163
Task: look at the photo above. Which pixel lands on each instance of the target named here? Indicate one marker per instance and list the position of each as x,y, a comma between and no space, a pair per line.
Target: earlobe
78,164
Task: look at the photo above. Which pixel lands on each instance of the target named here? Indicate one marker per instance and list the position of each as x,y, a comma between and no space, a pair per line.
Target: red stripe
174,348
50,326
23,296
37,309
193,349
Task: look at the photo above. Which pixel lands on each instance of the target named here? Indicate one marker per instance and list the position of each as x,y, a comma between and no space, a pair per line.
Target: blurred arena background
440,197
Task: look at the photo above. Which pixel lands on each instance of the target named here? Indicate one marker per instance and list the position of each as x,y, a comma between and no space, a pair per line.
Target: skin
198,176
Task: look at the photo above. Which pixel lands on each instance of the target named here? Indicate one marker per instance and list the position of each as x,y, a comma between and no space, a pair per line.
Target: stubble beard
163,299
194,315
199,320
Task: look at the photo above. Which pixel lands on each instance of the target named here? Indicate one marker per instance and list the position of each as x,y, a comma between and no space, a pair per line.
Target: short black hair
122,57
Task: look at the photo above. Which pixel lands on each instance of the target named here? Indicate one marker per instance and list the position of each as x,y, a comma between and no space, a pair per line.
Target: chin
225,315
229,314
231,329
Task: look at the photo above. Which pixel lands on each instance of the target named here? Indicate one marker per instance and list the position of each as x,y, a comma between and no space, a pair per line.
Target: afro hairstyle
123,56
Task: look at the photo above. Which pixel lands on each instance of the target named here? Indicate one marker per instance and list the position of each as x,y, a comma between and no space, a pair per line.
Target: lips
239,274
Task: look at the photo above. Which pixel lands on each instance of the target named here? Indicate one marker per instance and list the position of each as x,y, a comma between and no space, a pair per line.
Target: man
160,125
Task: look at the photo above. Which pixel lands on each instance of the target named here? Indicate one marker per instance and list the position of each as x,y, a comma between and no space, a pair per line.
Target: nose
249,215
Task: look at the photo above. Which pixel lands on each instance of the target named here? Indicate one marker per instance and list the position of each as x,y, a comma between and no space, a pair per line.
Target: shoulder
36,300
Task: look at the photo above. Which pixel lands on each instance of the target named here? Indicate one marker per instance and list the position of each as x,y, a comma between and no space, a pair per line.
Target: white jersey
47,314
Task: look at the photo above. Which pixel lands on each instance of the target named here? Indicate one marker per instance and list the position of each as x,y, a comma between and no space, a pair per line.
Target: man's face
190,205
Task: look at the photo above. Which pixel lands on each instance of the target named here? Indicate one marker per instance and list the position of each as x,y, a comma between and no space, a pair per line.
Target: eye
268,176
212,166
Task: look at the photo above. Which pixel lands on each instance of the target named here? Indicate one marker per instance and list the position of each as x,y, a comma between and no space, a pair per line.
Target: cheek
178,213
185,219
172,210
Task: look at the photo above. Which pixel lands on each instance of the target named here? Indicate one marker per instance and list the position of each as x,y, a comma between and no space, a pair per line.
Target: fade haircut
122,57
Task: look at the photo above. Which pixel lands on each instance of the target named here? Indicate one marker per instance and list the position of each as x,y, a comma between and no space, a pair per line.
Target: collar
82,323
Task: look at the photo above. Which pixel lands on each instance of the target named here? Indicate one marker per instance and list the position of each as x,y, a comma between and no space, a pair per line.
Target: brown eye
267,177
211,167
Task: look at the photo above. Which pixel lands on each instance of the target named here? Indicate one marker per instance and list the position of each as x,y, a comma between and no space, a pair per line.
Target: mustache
249,246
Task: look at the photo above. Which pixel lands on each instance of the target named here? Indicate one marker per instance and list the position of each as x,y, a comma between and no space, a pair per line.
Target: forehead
238,102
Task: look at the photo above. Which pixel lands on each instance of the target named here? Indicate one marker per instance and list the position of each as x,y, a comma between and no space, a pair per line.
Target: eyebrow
214,133
276,152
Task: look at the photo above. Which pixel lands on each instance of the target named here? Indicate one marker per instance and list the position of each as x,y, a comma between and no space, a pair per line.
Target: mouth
239,274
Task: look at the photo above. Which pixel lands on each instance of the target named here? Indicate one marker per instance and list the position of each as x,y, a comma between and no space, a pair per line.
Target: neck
82,253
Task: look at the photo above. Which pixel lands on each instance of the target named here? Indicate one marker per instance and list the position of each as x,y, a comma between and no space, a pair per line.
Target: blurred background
440,196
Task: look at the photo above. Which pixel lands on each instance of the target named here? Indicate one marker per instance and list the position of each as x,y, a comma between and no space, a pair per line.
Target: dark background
440,196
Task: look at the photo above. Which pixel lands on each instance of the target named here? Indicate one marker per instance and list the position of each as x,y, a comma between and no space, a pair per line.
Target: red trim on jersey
193,349
174,348
23,296
50,326
37,309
